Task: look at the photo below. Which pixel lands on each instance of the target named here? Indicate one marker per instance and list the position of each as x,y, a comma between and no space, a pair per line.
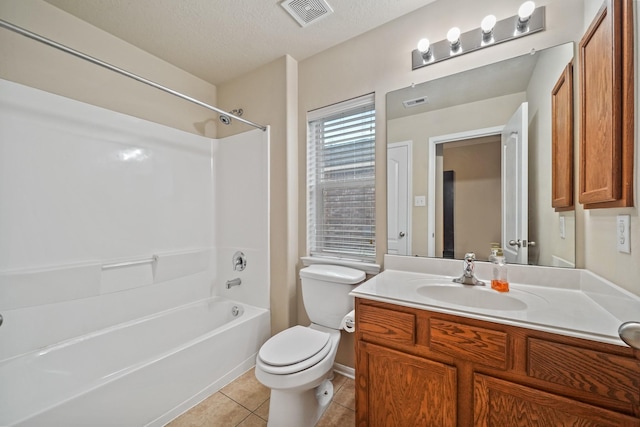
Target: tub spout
233,282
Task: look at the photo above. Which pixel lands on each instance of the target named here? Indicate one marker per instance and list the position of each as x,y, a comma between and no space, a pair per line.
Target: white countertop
593,311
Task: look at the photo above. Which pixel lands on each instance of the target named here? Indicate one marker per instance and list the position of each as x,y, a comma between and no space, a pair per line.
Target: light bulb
526,10
453,35
488,23
423,45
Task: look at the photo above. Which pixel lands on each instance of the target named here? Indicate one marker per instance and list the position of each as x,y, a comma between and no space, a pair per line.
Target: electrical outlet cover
622,234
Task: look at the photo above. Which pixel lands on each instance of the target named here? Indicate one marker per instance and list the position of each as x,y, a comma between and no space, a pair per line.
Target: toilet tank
325,292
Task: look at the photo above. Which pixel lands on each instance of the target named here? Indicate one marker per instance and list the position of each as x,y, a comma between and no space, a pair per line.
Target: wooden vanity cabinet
424,391
606,108
421,368
504,403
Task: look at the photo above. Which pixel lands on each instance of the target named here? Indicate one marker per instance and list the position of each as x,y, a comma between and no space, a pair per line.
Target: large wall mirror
469,164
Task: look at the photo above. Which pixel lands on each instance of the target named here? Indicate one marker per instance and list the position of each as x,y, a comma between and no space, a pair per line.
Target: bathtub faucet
467,277
239,261
233,282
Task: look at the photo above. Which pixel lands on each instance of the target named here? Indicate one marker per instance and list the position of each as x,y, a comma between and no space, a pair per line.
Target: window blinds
340,180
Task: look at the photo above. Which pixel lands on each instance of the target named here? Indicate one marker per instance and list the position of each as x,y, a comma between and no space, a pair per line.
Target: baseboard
344,370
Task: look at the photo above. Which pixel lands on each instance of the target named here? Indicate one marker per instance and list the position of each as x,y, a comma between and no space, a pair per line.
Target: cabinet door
502,403
606,113
562,141
396,389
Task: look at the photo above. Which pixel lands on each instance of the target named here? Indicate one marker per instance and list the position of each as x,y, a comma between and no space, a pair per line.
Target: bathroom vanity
432,357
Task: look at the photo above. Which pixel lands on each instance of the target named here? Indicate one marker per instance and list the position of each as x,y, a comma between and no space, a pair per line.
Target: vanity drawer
610,376
473,343
382,325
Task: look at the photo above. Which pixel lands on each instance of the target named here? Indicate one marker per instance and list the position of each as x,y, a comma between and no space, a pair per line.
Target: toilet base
297,409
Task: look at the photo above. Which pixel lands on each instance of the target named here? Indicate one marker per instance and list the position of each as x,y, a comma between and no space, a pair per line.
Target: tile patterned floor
245,403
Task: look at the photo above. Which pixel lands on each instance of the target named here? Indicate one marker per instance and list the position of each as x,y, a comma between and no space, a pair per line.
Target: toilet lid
294,349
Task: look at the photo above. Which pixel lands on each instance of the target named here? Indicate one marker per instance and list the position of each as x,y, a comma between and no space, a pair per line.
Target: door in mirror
398,203
515,186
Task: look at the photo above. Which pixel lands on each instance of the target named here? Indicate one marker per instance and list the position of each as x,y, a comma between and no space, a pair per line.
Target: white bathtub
143,372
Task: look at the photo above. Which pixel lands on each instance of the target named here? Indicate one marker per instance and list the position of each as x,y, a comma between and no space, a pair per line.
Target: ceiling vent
415,102
306,12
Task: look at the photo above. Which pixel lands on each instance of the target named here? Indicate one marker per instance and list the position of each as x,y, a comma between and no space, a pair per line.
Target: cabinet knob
401,234
630,333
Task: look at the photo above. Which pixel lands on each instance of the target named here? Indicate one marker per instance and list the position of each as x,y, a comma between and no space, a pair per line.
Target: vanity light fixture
524,15
529,20
424,47
453,36
487,25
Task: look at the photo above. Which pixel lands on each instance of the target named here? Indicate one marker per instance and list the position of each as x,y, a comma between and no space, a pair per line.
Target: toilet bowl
297,363
293,390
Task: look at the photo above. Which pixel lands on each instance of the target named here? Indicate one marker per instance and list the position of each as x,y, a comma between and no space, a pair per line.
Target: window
341,180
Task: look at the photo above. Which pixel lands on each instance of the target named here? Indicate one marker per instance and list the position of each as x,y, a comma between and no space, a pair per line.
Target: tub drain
235,311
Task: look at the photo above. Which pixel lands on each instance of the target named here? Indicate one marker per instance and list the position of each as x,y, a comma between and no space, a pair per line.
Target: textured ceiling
218,40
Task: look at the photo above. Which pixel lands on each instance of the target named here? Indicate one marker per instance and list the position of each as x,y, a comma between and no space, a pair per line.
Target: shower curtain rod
41,39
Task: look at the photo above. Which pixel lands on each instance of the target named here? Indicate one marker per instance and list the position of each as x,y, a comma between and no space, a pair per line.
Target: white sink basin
472,296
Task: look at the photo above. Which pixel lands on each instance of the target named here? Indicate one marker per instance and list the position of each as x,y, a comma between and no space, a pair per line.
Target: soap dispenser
499,281
493,251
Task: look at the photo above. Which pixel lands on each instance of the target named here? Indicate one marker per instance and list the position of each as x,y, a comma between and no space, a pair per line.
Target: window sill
367,267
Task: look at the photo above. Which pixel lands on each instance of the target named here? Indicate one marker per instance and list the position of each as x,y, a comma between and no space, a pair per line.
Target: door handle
401,234
521,243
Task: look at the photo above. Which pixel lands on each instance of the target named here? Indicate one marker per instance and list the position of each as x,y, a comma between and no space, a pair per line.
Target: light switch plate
562,228
420,201
622,234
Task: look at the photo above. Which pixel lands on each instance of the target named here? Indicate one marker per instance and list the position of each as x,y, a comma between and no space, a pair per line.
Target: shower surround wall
82,188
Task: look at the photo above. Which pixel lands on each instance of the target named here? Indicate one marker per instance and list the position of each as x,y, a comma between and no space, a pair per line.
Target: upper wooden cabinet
606,108
562,141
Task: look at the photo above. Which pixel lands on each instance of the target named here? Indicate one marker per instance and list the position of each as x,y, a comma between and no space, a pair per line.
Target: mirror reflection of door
398,194
515,191
489,203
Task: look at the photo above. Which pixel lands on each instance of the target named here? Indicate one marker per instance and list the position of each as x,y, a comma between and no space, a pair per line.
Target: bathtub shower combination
117,240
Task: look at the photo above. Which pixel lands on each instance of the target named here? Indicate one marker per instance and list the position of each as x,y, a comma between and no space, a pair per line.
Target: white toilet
297,363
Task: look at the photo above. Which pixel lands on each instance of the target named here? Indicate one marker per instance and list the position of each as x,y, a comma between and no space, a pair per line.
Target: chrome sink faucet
467,277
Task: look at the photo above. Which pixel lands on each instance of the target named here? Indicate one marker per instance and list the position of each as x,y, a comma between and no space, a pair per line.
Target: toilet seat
293,350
